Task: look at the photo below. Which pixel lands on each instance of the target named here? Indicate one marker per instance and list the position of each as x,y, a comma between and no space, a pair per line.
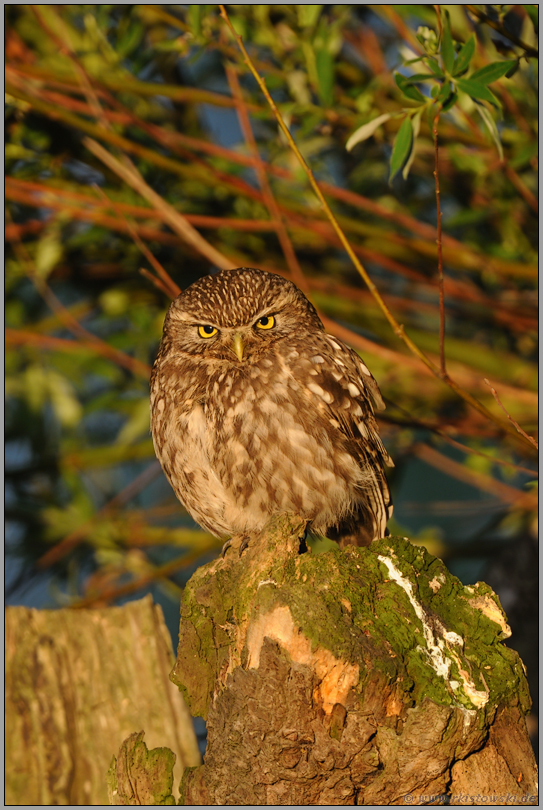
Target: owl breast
256,440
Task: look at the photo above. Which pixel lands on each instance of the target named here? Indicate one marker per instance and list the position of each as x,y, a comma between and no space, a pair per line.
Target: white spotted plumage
289,426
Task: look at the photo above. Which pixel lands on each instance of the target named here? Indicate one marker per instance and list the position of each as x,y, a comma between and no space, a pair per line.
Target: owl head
237,315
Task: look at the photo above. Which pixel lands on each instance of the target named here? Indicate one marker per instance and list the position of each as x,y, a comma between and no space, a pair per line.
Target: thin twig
19,337
397,328
156,282
166,281
439,253
513,422
160,572
67,319
521,187
523,500
438,18
528,49
82,75
500,461
413,421
466,257
64,546
128,84
175,220
267,193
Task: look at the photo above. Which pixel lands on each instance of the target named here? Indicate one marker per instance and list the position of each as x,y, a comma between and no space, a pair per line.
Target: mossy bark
357,676
77,683
139,776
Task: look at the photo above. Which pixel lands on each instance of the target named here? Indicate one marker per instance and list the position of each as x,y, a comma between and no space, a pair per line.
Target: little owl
255,410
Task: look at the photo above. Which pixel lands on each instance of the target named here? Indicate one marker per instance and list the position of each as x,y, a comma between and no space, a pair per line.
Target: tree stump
77,683
359,676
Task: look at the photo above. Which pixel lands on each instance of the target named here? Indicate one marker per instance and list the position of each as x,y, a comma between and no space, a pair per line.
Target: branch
397,328
60,549
528,49
439,252
176,221
511,495
166,283
66,318
515,424
267,193
158,573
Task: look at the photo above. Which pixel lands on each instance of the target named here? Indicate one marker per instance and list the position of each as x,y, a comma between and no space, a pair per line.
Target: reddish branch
439,252
513,422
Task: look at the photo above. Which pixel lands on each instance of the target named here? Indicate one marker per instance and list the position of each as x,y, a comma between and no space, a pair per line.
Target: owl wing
337,376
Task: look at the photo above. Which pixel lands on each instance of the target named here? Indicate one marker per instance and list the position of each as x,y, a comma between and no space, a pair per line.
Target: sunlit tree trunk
363,676
77,682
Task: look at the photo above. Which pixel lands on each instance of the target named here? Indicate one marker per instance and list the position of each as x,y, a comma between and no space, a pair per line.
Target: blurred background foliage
136,140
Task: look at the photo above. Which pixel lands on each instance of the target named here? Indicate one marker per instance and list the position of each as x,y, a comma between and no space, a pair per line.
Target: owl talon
225,547
244,545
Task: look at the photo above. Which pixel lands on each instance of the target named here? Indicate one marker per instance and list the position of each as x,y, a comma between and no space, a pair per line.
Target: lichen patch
436,645
436,583
492,611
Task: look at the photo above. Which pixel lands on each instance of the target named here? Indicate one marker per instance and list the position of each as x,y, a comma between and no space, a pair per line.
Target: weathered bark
77,683
139,776
358,676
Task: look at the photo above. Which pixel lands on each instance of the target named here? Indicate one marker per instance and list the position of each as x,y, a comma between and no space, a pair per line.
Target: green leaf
130,40
486,115
401,150
195,20
420,77
366,131
464,56
447,46
48,252
490,73
443,94
416,130
137,426
325,75
476,90
449,102
532,11
407,89
308,15
436,70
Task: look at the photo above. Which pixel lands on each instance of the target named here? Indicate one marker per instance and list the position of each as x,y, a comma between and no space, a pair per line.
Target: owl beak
239,347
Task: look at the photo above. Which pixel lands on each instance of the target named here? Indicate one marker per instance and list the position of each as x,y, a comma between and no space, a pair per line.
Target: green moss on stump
139,776
361,604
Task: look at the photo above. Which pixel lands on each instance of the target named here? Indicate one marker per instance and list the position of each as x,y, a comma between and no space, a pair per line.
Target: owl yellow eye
207,331
267,322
